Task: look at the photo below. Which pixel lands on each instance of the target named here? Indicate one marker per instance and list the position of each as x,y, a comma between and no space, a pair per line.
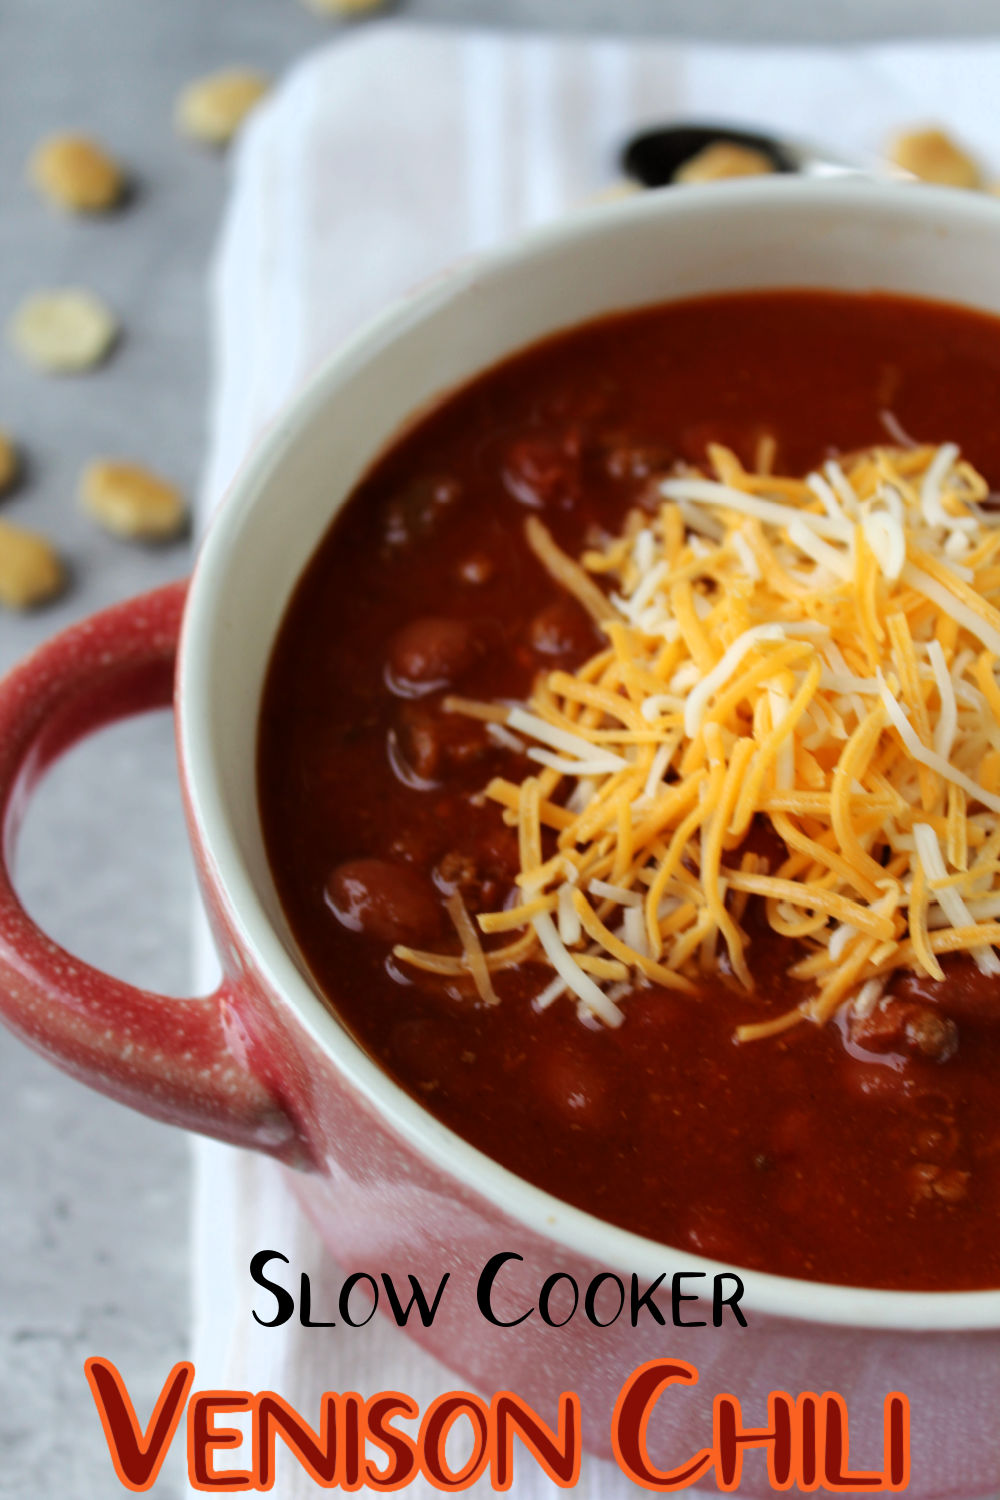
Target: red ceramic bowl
263,1062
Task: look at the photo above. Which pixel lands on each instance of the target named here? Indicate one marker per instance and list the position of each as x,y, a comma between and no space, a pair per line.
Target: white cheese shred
815,658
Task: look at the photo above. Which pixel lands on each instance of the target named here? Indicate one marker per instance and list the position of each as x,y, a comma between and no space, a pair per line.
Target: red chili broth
809,1154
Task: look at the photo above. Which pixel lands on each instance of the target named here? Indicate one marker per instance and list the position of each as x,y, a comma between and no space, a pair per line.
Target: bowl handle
177,1060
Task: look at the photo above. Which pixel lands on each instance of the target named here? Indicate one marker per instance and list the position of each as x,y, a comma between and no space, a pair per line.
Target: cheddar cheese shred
795,721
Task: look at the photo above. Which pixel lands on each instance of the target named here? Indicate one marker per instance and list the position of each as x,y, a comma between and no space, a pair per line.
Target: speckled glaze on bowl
263,1062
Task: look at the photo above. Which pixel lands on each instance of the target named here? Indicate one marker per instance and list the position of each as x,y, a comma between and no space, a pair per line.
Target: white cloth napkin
381,159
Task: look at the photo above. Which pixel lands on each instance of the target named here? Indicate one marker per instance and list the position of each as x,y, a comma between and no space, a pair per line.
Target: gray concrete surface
93,1200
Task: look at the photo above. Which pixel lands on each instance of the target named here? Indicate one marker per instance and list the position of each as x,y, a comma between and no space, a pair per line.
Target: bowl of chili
336,800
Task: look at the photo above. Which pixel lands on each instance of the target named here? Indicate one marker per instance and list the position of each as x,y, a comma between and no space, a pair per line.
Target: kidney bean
563,629
906,1026
539,472
435,743
394,903
431,652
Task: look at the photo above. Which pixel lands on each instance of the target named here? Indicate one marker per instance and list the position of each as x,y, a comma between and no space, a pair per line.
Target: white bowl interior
847,235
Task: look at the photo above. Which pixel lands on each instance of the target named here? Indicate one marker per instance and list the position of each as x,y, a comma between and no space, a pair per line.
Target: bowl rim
580,1233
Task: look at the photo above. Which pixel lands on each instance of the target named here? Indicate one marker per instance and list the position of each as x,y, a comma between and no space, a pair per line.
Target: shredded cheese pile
797,706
